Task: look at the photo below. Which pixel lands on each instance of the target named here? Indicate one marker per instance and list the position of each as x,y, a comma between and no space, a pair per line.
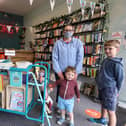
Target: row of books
89,72
76,17
43,48
45,41
92,61
91,38
95,37
43,56
92,49
96,25
39,42
50,34
88,49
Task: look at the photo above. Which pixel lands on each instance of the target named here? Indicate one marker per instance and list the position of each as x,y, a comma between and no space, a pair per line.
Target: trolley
41,100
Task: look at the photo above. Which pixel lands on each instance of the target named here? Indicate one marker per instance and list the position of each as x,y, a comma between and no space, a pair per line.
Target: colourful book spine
1,83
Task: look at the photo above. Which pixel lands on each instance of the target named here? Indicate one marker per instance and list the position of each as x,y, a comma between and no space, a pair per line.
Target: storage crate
10,89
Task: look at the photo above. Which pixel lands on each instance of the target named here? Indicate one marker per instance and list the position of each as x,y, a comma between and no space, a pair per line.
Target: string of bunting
83,4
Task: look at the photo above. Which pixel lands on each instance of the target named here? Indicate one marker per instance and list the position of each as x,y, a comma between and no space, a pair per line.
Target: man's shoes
61,121
102,121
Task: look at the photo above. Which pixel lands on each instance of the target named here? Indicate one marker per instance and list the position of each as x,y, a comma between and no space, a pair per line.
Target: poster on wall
121,37
117,36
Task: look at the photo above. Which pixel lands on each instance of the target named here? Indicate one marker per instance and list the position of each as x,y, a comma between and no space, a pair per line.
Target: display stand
29,104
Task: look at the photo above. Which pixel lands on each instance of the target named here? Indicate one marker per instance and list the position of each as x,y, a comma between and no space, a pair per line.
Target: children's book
15,78
17,101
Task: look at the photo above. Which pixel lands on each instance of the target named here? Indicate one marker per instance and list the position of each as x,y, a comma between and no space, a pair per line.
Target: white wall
118,23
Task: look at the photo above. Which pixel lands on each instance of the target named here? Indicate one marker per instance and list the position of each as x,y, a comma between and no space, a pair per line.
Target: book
15,78
96,25
17,101
55,25
87,27
88,38
1,83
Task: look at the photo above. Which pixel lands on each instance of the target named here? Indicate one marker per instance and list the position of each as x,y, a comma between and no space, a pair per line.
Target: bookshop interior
34,58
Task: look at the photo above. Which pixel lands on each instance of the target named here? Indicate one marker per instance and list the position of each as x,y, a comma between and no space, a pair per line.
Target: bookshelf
89,29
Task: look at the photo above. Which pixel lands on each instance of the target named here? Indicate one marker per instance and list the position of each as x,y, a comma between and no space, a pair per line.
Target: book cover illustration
15,78
17,101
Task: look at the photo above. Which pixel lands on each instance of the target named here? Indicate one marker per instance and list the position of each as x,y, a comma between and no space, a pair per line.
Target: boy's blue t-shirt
111,73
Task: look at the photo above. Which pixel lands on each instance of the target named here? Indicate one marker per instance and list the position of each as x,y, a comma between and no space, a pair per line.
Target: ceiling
19,7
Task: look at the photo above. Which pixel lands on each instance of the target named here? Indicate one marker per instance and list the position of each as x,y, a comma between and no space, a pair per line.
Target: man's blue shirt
68,54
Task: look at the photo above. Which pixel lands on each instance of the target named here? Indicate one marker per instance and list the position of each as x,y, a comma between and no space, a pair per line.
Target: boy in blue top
109,81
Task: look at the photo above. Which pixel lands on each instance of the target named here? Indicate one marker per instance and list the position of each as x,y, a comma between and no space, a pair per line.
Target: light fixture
31,1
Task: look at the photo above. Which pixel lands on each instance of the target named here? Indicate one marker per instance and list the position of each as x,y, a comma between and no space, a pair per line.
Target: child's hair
70,69
114,43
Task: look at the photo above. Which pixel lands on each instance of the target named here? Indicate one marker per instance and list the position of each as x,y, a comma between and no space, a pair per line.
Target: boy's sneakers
61,121
102,121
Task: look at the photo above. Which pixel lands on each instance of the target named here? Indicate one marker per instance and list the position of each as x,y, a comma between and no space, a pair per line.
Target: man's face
110,51
68,32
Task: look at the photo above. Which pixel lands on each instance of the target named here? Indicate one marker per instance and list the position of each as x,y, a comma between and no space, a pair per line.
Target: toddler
68,88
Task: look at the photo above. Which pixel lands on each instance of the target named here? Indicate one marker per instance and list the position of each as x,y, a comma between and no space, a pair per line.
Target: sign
9,52
117,35
8,28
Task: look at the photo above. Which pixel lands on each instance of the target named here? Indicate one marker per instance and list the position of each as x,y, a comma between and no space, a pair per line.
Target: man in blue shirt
67,51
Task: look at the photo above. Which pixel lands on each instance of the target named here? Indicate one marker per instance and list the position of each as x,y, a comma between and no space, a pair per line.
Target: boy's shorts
66,104
108,98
